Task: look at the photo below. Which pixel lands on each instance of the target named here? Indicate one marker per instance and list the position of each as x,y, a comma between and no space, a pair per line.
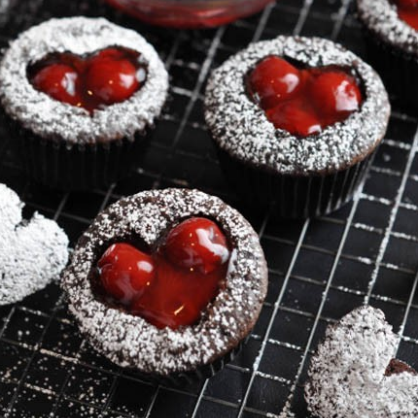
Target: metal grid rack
319,269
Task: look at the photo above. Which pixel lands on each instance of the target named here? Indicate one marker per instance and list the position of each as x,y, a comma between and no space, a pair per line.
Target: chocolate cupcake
80,95
168,283
391,29
33,252
353,373
296,121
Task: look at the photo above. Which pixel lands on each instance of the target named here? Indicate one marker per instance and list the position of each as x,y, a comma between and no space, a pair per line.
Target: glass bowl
189,13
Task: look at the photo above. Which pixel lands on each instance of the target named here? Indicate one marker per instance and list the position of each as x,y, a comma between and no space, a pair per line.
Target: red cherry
294,118
125,272
335,93
197,243
407,3
172,313
177,297
111,81
59,81
274,80
111,53
408,12
108,76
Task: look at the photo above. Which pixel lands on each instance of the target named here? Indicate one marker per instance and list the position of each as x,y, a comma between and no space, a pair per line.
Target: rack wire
319,269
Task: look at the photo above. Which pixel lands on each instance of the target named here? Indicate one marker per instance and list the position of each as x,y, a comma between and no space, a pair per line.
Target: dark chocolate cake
131,341
305,176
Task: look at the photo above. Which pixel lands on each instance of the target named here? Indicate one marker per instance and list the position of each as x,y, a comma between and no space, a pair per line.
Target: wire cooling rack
319,269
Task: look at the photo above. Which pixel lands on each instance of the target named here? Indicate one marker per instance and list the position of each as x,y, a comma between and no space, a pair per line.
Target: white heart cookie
32,253
350,377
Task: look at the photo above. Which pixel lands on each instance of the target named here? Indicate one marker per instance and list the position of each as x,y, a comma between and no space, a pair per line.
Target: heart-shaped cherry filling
303,101
408,12
173,285
91,81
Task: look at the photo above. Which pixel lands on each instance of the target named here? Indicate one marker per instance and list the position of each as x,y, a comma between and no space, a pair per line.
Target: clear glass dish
190,13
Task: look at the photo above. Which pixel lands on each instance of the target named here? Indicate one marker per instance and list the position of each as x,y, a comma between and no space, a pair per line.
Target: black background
319,269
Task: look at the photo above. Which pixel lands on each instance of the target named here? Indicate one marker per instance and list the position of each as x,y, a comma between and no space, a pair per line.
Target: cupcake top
241,128
32,253
381,17
353,373
131,341
51,118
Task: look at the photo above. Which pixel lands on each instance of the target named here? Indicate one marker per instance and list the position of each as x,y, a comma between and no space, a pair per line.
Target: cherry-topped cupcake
296,121
391,28
168,282
80,95
91,81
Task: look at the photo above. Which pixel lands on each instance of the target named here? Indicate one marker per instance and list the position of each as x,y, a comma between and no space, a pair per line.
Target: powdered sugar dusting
381,17
129,340
347,374
32,253
50,118
241,128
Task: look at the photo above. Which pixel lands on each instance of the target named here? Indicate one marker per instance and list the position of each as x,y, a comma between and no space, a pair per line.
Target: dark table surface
319,269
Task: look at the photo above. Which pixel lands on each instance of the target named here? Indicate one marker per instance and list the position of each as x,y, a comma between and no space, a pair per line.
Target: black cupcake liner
59,165
293,196
397,69
201,373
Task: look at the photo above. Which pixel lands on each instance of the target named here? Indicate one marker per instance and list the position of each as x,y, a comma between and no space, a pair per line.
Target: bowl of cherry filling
188,14
391,29
167,282
80,96
296,121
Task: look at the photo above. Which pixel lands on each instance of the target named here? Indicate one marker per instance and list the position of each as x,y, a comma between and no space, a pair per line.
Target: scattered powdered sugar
32,253
52,119
381,17
129,340
241,128
287,412
347,374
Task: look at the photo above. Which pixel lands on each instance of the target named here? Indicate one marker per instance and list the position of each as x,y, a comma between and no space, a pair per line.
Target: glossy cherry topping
197,244
408,12
108,76
125,272
171,287
303,101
